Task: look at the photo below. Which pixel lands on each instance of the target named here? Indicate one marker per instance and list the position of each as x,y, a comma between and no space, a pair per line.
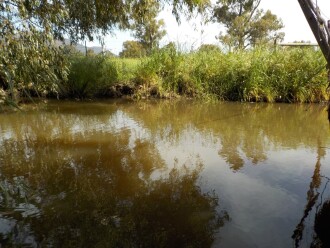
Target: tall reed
262,74
290,75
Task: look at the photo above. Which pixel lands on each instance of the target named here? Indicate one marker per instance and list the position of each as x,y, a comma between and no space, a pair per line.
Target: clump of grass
126,68
290,75
88,75
169,69
222,75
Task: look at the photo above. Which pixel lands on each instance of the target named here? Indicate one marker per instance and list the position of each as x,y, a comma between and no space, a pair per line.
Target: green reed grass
263,74
89,76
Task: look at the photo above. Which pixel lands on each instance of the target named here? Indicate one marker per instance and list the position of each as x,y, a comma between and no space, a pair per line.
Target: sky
191,34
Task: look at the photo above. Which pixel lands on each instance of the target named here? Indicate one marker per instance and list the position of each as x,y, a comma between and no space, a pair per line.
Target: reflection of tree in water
229,151
321,236
100,193
322,227
246,132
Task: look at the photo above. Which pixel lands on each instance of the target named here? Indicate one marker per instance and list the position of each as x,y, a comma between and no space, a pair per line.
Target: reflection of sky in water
265,198
6,224
5,135
117,123
26,237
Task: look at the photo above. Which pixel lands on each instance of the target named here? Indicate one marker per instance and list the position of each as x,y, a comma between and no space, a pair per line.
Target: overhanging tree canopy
28,28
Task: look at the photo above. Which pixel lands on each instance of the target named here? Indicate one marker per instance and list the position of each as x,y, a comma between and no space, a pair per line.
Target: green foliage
126,68
292,75
30,62
88,76
209,48
29,59
86,18
296,75
245,24
148,30
132,49
283,75
98,76
170,69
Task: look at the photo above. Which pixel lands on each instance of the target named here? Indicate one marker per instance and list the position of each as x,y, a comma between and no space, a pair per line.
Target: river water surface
164,174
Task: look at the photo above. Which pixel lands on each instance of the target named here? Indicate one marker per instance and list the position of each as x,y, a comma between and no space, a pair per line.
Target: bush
88,75
170,70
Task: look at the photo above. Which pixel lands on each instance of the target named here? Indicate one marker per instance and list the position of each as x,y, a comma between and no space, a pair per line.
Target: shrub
88,75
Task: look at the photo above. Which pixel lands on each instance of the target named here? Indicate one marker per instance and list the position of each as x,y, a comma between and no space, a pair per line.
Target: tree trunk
318,26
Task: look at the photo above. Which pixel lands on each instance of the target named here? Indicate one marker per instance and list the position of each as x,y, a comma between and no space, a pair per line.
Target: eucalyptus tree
132,49
246,25
209,48
29,58
147,29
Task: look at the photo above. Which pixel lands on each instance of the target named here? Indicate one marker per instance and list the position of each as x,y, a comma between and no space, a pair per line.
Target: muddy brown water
164,174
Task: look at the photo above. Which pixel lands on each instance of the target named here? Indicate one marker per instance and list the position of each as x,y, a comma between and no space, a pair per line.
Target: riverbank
260,75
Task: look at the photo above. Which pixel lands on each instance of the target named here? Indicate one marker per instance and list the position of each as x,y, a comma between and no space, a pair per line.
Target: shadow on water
317,207
322,227
99,191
